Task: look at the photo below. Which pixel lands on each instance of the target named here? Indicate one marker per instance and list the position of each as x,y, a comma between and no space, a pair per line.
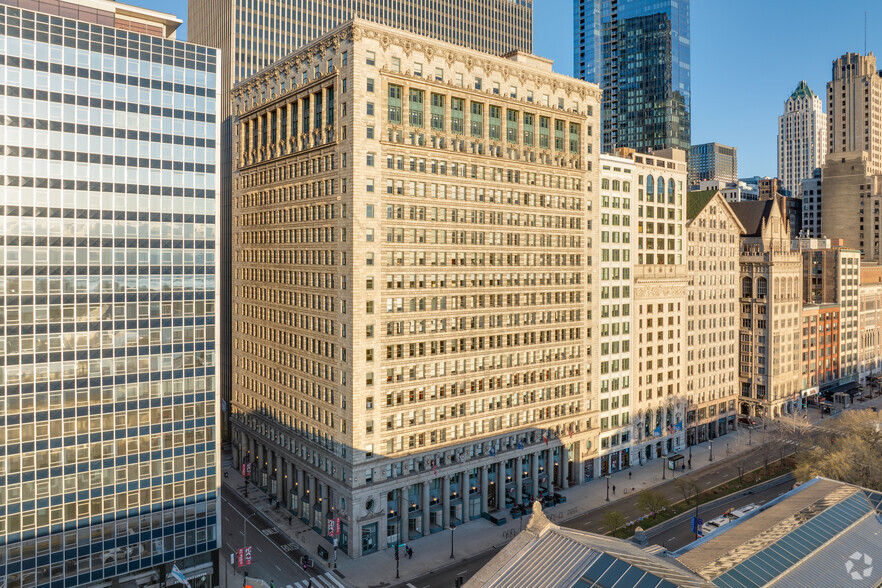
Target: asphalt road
681,535
274,557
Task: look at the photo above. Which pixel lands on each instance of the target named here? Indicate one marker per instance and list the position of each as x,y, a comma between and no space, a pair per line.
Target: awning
197,572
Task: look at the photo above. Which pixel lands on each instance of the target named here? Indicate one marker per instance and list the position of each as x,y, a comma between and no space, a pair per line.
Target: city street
275,558
681,535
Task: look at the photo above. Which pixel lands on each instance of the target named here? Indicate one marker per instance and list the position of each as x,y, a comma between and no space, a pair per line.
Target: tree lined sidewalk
630,507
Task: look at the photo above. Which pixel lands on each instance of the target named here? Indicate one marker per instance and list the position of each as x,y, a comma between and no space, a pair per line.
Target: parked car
746,420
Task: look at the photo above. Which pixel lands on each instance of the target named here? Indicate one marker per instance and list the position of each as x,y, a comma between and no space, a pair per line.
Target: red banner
240,557
338,525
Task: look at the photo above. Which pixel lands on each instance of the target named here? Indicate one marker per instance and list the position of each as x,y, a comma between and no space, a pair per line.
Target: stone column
500,485
426,499
534,474
577,463
301,488
279,135
280,479
259,141
485,487
403,512
288,122
518,467
565,467
289,483
445,501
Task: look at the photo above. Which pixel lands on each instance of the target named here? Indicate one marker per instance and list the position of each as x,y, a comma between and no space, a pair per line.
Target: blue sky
747,57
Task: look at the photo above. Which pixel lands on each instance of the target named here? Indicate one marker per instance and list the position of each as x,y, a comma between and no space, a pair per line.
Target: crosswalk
326,580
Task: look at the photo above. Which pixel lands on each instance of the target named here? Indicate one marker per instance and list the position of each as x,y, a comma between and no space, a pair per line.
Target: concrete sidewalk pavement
477,536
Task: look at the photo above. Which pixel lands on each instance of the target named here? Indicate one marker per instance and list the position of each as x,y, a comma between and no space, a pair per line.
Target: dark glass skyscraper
638,52
108,413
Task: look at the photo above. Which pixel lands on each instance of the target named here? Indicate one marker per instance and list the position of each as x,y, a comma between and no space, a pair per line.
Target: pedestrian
289,519
629,475
409,553
614,490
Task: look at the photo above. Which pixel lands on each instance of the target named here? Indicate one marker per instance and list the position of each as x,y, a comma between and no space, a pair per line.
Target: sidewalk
433,552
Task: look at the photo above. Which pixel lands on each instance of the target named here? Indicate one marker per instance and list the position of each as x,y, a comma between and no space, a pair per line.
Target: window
370,58
370,185
496,87
418,69
369,159
369,211
370,109
345,58
370,84
439,74
459,80
478,82
396,64
370,132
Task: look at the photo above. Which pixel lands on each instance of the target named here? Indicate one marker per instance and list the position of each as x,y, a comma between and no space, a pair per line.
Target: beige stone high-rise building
615,220
252,35
851,175
771,310
713,316
854,109
411,302
802,137
660,299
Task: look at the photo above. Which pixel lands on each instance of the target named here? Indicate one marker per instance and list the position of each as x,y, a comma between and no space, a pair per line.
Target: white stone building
802,137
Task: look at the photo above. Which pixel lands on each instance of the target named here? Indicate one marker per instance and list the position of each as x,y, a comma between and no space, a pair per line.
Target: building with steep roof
771,306
821,533
712,314
802,137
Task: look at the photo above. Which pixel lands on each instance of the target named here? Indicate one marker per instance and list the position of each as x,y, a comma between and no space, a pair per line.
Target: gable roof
751,214
696,201
550,556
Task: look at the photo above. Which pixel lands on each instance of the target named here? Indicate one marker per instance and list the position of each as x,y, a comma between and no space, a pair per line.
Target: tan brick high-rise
411,284
712,316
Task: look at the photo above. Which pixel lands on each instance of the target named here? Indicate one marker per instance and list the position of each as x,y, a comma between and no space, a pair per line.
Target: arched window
762,287
747,288
650,188
661,188
671,191
616,185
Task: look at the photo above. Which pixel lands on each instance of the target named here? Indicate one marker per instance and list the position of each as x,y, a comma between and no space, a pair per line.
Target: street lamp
690,457
607,486
452,529
711,447
664,467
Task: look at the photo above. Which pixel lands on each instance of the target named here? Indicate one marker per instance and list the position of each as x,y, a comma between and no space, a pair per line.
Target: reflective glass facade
639,53
108,457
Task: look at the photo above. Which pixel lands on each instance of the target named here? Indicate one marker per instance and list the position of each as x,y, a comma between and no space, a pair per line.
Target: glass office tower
638,51
108,457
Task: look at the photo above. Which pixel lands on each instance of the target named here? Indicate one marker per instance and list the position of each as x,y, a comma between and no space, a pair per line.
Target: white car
714,524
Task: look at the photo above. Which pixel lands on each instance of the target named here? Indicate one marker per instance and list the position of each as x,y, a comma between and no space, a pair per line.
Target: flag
545,437
492,449
657,432
571,431
178,576
434,467
520,445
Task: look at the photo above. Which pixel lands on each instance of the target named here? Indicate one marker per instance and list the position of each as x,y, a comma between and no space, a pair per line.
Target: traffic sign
696,525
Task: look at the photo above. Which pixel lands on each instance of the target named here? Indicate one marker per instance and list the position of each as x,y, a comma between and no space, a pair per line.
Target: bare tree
652,501
612,521
852,456
689,488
